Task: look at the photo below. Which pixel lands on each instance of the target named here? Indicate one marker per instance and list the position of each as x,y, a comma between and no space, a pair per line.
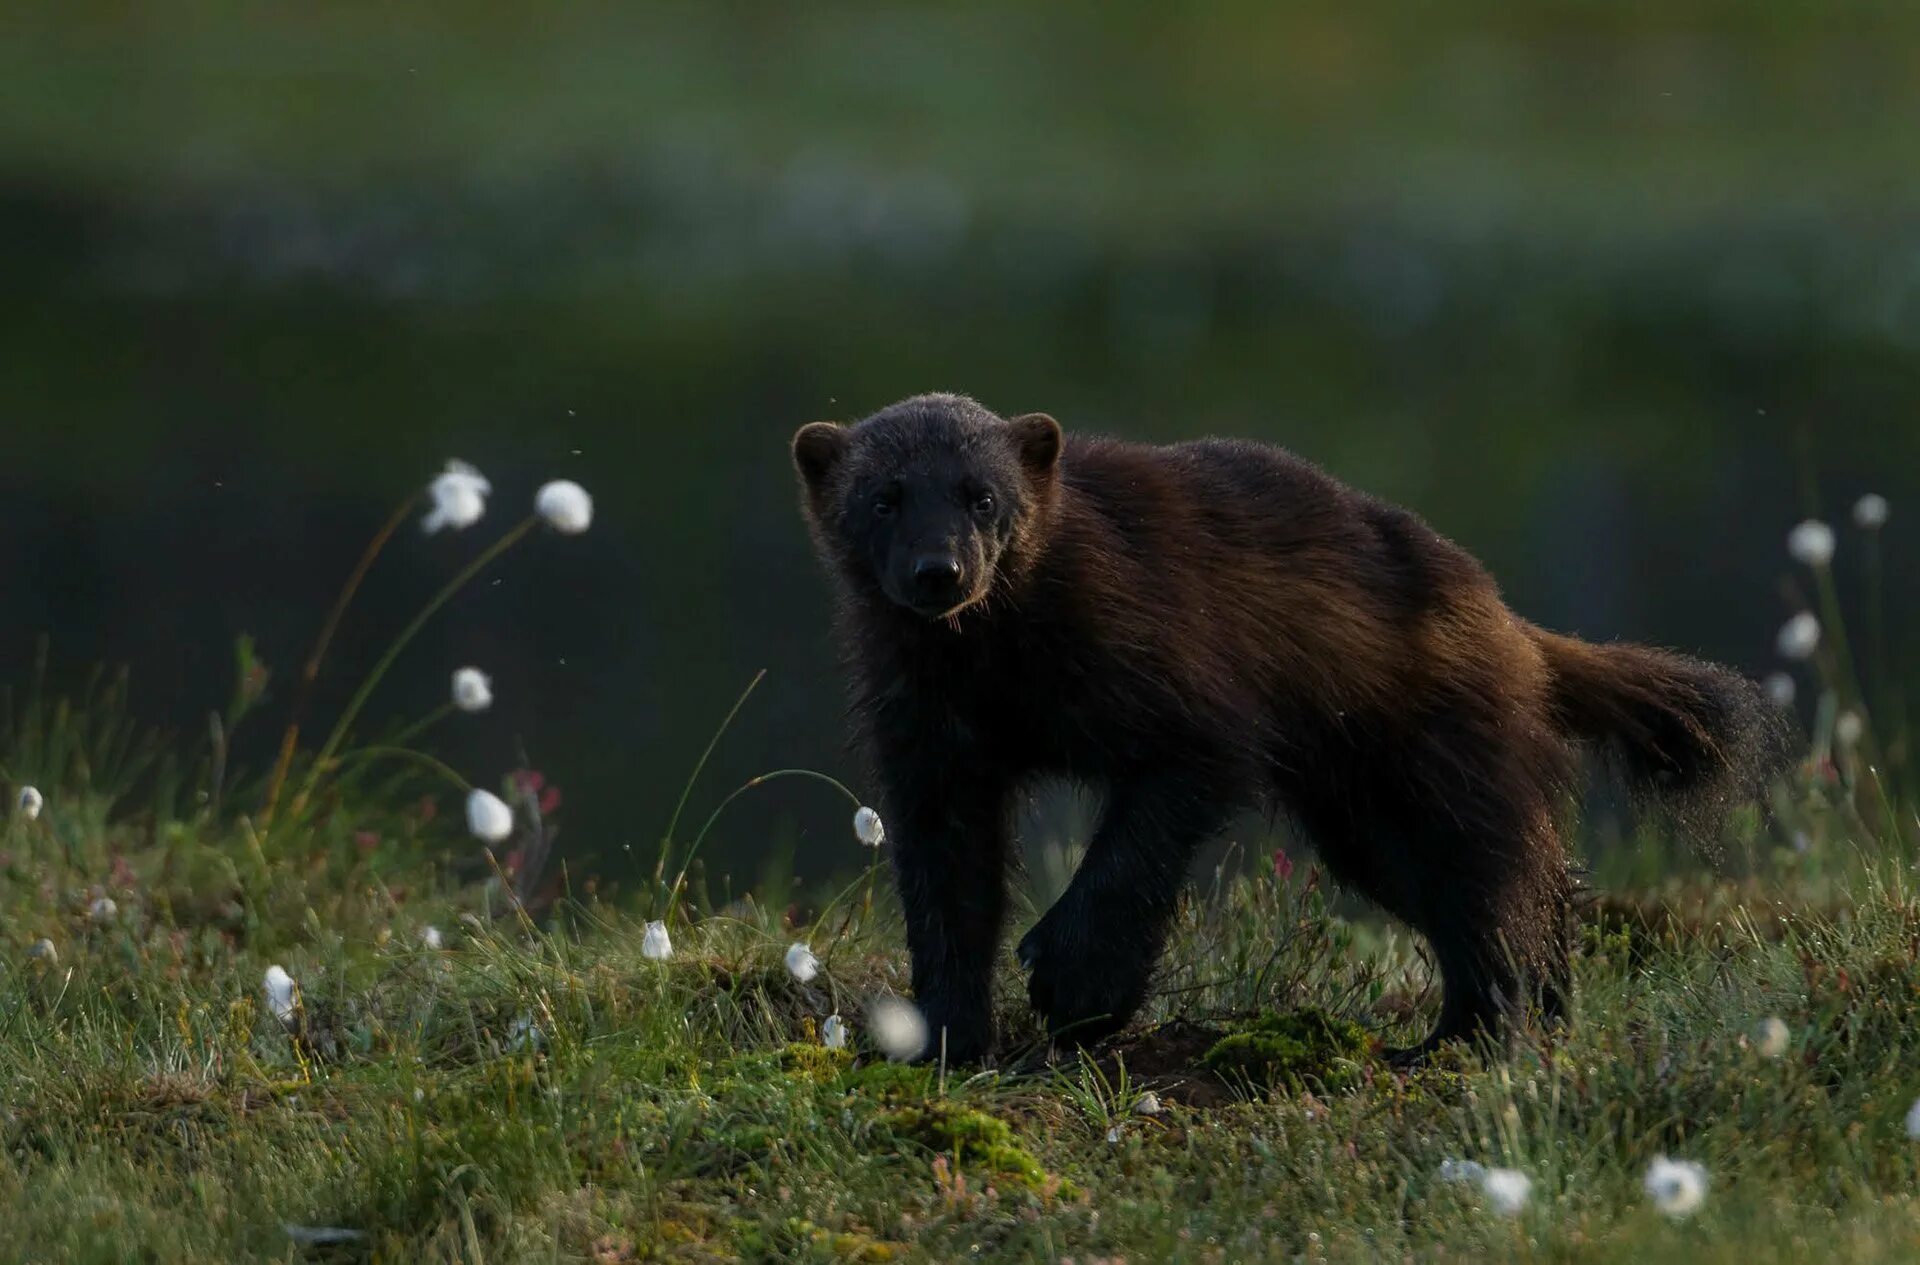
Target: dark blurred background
1611,295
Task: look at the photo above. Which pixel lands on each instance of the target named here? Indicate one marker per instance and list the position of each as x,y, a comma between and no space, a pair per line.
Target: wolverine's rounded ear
817,448
1038,439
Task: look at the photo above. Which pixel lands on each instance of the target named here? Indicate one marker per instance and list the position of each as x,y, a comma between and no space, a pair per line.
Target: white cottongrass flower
1677,1187
1782,689
1849,727
565,505
801,964
1811,543
283,995
833,1032
31,801
42,951
1870,511
868,828
898,1028
1799,637
656,945
430,938
1506,1190
488,816
459,495
1462,1171
1913,1120
1147,1104
472,690
1771,1037
103,909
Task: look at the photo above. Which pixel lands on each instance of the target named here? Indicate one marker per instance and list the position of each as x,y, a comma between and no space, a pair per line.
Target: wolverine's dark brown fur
1199,629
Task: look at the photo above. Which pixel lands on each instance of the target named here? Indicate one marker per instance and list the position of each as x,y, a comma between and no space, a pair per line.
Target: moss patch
801,1239
975,1140
814,1062
1298,1050
889,1082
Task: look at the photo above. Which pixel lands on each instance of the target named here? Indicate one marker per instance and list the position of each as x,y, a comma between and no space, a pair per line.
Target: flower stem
366,755
673,895
686,792
397,740
420,726
1846,682
407,634
865,908
310,671
1890,715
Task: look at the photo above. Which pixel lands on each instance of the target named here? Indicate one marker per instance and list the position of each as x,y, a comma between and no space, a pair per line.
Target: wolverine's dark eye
983,503
885,504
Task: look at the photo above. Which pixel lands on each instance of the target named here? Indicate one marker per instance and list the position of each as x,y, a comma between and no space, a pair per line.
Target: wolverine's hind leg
1467,852
1492,897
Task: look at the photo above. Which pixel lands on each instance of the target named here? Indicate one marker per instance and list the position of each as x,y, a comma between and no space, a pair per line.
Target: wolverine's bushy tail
1697,737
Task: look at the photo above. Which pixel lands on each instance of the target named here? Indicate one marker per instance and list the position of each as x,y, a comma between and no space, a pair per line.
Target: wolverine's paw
959,1034
1083,989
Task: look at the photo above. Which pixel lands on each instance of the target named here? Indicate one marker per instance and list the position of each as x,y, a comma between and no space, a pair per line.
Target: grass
543,1092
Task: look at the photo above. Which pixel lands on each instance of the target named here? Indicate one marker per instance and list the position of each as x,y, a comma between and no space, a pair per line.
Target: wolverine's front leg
951,835
1092,955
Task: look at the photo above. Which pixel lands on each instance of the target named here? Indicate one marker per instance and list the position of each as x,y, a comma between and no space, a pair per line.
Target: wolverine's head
929,501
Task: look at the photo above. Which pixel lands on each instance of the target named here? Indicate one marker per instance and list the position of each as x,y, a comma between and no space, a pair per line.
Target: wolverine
1199,629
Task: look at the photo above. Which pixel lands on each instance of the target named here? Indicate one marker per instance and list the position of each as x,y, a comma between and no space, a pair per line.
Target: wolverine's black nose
936,576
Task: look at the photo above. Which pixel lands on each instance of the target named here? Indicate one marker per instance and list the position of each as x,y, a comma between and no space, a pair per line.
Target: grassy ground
547,1092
